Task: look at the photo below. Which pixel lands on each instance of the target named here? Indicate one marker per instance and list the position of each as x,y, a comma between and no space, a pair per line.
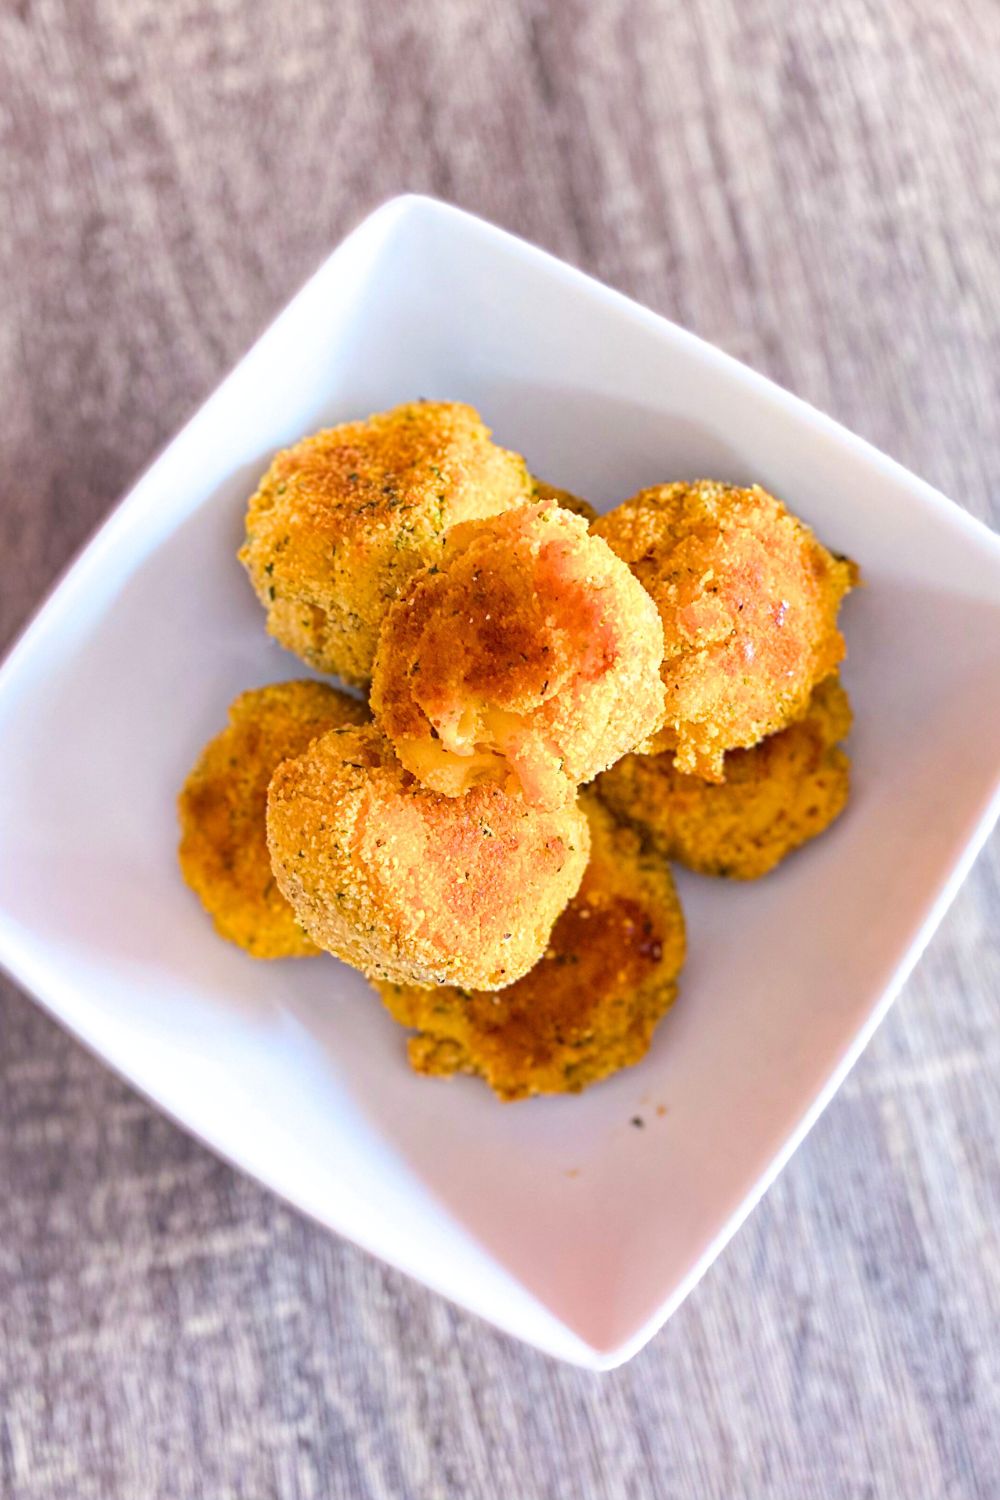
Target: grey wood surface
816,188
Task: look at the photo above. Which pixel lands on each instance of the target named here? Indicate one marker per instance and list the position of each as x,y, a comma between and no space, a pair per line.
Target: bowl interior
560,1219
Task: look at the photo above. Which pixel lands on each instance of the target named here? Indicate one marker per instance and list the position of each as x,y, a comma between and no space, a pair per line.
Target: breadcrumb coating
748,599
588,1008
223,804
529,651
550,494
341,521
775,797
411,886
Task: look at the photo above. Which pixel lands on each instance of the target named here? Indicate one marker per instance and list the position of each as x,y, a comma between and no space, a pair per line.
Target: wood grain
815,188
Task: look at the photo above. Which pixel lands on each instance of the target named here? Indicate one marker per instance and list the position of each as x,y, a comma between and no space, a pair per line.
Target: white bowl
559,1219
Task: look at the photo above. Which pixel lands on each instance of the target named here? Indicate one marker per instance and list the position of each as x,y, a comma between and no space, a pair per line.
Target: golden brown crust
748,599
528,651
551,494
223,804
343,519
775,797
408,885
588,1008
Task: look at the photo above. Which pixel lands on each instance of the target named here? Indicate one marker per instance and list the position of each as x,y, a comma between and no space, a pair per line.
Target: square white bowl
556,1219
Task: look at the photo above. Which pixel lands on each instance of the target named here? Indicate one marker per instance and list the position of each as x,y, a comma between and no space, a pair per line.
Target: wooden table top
814,188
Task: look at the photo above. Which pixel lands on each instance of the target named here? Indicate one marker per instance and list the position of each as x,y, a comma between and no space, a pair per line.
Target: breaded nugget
588,1008
550,494
749,602
408,885
343,519
223,806
528,650
778,795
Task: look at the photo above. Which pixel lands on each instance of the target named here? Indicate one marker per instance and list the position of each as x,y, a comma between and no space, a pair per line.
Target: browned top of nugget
775,797
222,808
342,520
528,651
408,885
551,494
588,1007
748,599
